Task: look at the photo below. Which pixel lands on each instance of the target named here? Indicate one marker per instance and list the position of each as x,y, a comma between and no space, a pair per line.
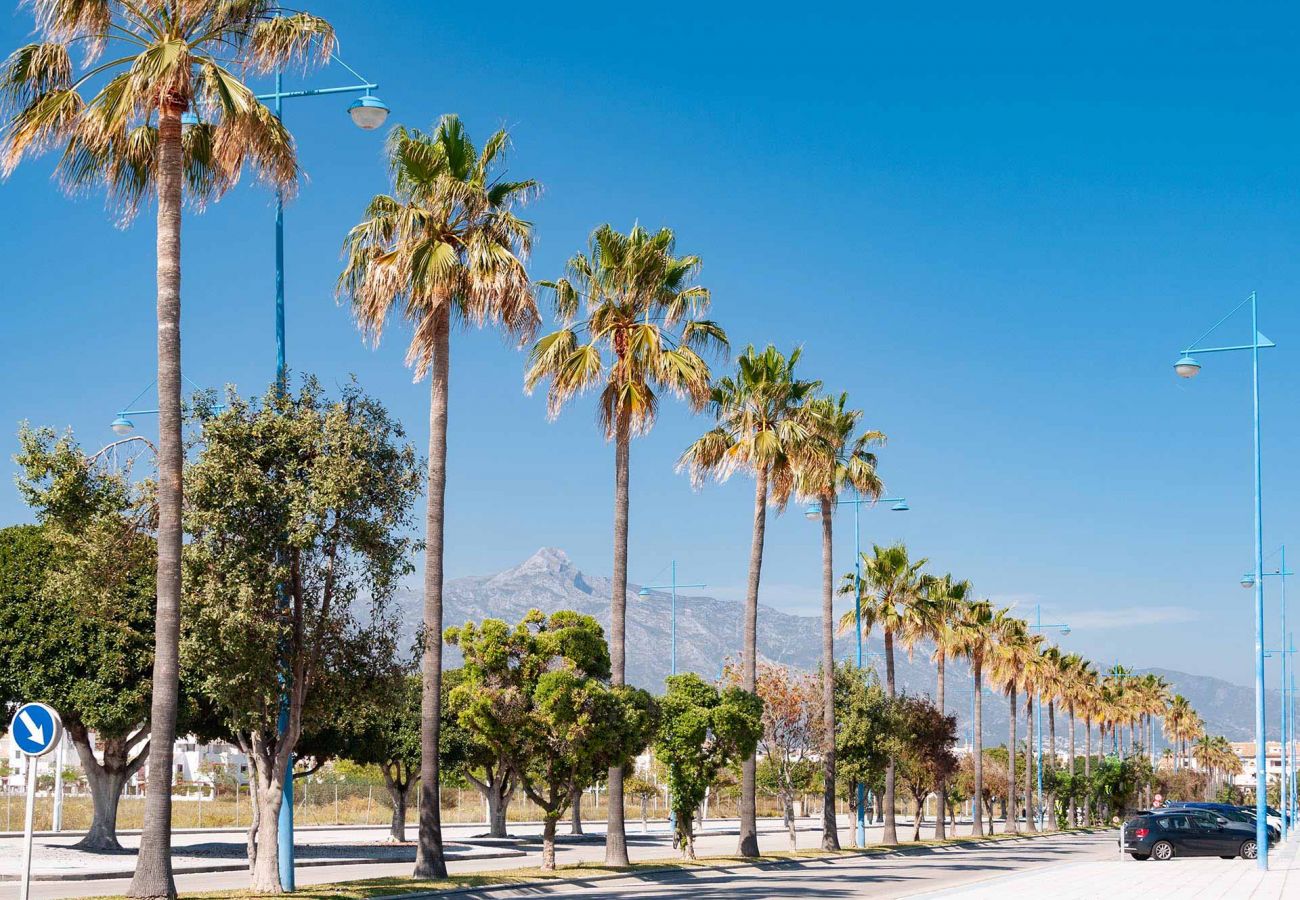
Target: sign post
36,730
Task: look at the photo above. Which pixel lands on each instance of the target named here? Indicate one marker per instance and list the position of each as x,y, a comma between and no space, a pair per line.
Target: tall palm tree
888,589
444,247
1031,677
761,427
1007,658
119,126
643,334
945,599
974,634
1051,689
834,459
1074,680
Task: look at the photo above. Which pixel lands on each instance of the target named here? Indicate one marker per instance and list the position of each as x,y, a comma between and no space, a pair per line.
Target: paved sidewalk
1120,878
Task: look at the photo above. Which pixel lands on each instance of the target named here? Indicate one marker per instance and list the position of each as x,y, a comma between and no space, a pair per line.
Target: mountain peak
546,561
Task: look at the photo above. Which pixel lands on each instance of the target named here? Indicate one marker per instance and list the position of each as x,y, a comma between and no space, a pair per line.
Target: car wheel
1249,850
1140,857
1164,850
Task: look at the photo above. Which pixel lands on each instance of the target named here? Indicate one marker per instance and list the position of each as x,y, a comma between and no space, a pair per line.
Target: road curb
897,852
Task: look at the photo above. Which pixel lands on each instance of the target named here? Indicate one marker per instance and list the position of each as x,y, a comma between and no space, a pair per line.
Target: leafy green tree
701,732
119,124
76,612
643,790
386,734
921,739
477,762
297,507
761,429
446,247
643,335
538,695
861,726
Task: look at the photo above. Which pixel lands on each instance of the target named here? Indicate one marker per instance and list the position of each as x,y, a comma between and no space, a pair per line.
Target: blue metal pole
1283,787
857,628
1038,728
1291,721
974,801
285,824
1261,773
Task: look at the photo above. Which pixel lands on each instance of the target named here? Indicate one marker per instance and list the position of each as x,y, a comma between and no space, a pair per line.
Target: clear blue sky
994,227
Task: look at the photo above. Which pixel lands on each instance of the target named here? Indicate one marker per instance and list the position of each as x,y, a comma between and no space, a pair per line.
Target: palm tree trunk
1074,802
1087,769
749,665
1031,819
890,835
429,860
1050,791
153,868
940,831
615,835
830,828
1012,826
977,821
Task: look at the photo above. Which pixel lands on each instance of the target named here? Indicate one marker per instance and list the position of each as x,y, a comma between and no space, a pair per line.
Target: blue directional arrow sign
36,729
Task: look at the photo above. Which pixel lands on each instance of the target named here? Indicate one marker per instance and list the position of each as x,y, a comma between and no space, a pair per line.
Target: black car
1232,813
1163,834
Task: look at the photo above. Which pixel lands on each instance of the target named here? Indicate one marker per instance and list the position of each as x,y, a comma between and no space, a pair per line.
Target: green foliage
862,724
921,739
537,695
297,507
702,731
77,591
1115,783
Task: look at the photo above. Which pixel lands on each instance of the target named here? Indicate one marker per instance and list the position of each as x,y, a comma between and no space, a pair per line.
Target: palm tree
888,589
834,459
975,633
1075,676
1007,660
945,599
444,247
1031,676
1051,689
643,334
167,59
761,427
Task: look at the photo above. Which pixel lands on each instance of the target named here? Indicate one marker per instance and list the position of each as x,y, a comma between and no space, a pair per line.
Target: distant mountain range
709,633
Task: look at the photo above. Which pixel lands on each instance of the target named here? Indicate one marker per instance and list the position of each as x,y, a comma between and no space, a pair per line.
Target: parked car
1232,813
1164,834
1271,815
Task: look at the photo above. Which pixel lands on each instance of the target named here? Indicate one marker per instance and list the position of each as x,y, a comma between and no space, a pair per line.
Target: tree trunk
1074,784
787,814
1050,790
266,863
397,827
748,845
830,827
575,812
429,860
1013,825
1031,817
1087,769
977,824
153,869
941,788
890,835
615,834
548,844
498,792
106,781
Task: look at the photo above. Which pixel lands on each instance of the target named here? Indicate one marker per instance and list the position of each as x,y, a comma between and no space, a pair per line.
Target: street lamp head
814,511
122,425
900,506
1186,367
1065,629
1248,581
188,120
644,592
368,112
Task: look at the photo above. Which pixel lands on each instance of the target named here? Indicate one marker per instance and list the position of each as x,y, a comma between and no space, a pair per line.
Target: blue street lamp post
368,112
648,589
813,512
1039,625
1188,367
1288,763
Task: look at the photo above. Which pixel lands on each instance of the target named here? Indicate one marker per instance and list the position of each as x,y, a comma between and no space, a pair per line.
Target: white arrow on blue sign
36,729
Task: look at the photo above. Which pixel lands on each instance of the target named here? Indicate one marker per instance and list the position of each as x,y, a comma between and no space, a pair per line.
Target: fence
324,803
